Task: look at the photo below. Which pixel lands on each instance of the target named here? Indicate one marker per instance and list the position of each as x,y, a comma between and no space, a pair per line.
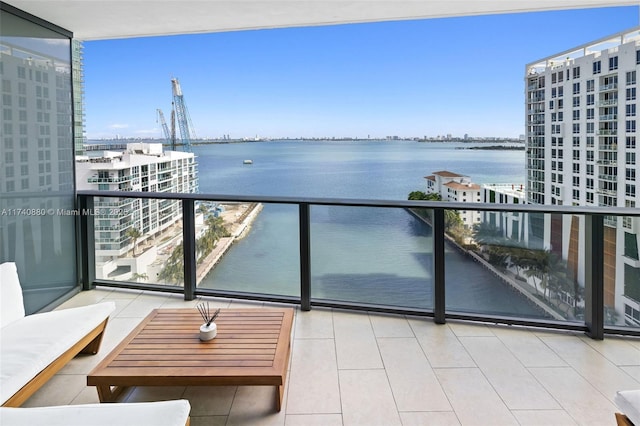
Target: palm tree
136,276
134,234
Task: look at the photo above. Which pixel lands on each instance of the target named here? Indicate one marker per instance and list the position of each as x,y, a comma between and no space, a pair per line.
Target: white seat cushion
629,403
161,413
29,345
11,301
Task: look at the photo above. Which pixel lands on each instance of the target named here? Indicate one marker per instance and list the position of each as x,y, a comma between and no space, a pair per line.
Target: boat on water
247,162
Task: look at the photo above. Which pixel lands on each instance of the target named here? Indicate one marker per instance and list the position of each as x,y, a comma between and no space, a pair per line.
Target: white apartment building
514,225
142,167
581,117
459,188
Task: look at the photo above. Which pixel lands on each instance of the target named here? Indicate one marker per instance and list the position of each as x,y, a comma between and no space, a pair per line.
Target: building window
590,169
576,127
576,154
590,155
590,141
576,101
576,168
576,114
576,88
590,114
591,85
631,94
613,63
631,126
589,197
590,127
630,190
561,103
631,142
591,99
631,77
576,72
597,67
576,194
589,183
631,174
631,110
576,181
631,158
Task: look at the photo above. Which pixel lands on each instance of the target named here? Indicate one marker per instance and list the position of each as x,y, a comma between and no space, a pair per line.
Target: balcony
607,132
609,117
351,368
609,87
608,102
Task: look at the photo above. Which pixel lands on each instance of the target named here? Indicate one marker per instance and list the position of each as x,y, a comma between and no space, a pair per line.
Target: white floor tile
313,380
413,382
356,345
577,397
367,399
473,398
515,385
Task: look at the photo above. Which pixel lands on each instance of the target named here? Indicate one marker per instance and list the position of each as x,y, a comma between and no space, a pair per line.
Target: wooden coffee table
252,348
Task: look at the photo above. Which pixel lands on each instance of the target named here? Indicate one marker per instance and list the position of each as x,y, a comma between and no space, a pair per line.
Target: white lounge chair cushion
161,413
11,301
29,345
629,403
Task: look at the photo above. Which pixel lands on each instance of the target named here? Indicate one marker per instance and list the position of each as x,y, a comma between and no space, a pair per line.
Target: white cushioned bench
162,413
34,347
629,402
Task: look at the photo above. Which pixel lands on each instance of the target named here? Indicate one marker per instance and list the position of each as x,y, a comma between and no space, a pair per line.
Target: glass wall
37,225
379,256
531,265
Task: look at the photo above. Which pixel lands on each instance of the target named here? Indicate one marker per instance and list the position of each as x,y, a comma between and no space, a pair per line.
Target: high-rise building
142,167
581,118
77,78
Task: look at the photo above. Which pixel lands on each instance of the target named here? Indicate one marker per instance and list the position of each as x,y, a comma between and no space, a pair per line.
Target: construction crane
182,115
165,130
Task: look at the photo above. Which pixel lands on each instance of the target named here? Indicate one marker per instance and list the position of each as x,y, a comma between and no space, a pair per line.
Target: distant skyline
406,78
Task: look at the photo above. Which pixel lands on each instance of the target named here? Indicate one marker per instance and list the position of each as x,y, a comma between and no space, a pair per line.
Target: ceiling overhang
110,19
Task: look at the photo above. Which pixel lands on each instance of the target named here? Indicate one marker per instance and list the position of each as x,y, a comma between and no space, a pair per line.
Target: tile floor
352,368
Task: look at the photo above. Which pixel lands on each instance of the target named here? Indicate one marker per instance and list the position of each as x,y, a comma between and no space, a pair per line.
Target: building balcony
109,179
608,102
608,147
607,132
349,368
610,178
607,162
609,117
610,192
609,87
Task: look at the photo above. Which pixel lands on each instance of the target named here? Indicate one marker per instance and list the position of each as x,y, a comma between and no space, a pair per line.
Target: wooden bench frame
89,344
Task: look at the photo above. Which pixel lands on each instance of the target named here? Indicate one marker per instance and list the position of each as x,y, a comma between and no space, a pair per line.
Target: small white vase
208,332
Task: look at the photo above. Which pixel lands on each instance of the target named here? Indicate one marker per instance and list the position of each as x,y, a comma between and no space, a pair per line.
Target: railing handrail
449,205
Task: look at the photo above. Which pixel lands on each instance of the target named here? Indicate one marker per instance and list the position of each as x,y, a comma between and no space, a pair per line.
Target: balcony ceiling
108,19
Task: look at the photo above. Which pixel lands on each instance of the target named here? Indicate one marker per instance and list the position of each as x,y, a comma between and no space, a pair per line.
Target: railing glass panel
515,264
373,256
261,251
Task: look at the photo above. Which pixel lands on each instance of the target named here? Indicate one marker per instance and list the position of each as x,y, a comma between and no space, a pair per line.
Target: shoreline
239,228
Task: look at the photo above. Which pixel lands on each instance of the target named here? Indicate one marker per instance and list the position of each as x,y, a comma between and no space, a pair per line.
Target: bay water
368,255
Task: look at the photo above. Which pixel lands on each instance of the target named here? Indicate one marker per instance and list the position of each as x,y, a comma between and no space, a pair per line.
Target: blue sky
408,78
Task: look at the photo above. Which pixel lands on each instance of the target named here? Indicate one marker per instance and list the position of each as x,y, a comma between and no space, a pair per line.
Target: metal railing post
189,252
87,246
594,276
438,266
305,257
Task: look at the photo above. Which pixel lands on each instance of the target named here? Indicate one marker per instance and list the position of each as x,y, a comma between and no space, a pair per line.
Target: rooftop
351,368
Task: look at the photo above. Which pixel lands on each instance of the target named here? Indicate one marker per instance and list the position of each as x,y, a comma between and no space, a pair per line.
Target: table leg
106,393
279,397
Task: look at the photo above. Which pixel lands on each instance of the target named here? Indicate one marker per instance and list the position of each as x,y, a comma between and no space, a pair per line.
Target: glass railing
546,266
